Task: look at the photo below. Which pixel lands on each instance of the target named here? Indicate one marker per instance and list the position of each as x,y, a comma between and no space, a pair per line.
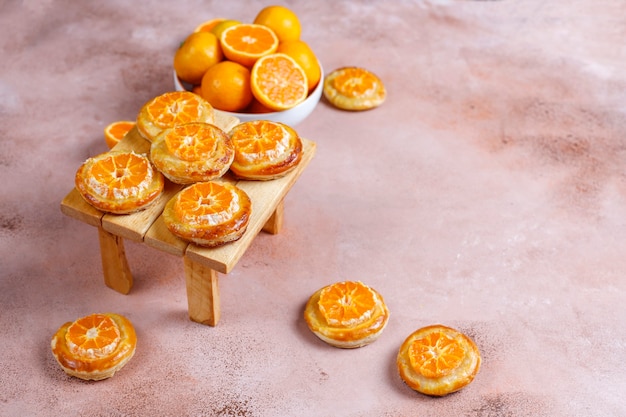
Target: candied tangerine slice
120,171
205,203
436,354
93,336
347,303
355,82
192,141
174,108
260,139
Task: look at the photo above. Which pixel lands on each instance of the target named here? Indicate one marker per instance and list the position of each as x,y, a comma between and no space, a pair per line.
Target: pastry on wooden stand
171,109
208,213
119,182
438,360
264,150
354,88
347,314
192,152
94,347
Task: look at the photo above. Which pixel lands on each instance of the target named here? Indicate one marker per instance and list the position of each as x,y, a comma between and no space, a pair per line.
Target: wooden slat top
147,226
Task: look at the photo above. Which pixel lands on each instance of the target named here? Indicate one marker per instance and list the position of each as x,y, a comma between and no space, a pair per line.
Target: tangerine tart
264,149
119,182
170,109
208,213
354,88
346,314
192,152
438,360
94,347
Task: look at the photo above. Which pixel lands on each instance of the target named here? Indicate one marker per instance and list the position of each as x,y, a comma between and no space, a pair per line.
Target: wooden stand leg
117,274
275,222
203,296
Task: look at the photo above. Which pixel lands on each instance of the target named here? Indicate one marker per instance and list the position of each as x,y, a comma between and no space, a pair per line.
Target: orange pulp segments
174,108
278,82
435,355
94,336
116,131
355,82
120,171
245,43
192,141
205,202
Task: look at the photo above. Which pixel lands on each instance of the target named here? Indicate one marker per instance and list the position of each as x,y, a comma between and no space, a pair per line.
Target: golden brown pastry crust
192,152
170,109
339,91
458,377
348,337
93,185
208,213
264,150
95,368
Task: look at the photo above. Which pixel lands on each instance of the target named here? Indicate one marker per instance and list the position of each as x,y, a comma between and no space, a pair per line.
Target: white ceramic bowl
290,117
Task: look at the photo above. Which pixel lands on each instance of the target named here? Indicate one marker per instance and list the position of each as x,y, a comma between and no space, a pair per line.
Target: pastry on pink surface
347,314
438,360
94,347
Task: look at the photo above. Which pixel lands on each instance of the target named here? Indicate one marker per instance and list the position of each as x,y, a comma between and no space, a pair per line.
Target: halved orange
278,82
116,131
93,336
347,303
208,25
245,43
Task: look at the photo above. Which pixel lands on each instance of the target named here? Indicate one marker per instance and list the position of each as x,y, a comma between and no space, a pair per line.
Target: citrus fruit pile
251,67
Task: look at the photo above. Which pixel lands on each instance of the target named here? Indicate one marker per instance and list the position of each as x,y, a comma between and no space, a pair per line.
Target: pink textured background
488,194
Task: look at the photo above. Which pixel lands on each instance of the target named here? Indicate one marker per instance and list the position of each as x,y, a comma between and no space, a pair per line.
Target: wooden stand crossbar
201,265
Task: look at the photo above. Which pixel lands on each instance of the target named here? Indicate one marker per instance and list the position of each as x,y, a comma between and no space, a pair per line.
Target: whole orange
208,25
198,52
303,55
222,26
282,21
226,85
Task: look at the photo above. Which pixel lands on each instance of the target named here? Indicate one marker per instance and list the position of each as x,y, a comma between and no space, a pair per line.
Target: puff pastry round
208,213
170,109
119,182
438,360
192,152
354,88
94,347
264,149
347,314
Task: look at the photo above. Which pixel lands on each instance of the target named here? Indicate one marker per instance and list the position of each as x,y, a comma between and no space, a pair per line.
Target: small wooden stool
201,265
